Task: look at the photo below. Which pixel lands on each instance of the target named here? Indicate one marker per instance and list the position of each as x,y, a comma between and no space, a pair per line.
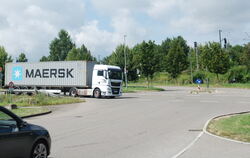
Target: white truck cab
106,81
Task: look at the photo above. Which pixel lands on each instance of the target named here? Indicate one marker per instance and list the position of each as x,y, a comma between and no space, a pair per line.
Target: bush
238,74
184,79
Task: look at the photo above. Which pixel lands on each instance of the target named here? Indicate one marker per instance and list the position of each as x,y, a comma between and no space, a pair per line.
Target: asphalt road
145,125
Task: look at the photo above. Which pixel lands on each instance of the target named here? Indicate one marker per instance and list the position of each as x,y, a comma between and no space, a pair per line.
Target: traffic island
202,90
233,127
25,112
35,105
39,99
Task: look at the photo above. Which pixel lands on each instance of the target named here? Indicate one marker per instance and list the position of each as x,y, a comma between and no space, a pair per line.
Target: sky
29,26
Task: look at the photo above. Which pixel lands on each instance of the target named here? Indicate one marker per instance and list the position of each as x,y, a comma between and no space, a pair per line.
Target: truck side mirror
105,74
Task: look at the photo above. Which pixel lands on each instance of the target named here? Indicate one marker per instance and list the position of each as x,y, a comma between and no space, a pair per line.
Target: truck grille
116,84
115,90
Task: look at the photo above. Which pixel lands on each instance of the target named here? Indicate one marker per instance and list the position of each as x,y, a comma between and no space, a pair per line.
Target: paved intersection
145,125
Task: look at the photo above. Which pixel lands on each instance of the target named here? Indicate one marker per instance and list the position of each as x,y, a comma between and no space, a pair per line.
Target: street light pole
125,62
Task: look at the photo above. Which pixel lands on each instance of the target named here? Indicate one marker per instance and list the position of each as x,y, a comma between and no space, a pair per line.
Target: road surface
145,125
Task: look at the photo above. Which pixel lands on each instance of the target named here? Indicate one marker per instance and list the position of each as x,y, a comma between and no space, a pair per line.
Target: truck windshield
115,74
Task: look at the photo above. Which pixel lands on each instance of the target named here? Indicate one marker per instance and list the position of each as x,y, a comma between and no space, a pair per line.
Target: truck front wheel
73,92
97,93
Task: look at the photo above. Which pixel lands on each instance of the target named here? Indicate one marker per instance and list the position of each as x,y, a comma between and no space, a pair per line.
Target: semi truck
76,78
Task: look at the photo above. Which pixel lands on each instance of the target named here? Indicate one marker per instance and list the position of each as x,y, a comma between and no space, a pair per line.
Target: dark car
18,139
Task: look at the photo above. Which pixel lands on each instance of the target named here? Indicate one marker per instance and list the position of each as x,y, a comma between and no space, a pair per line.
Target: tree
163,52
4,57
81,53
60,46
148,59
117,58
22,58
215,58
177,57
246,56
236,54
44,58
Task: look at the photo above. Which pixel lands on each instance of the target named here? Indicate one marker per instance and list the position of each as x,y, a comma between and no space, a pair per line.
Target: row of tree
173,56
147,58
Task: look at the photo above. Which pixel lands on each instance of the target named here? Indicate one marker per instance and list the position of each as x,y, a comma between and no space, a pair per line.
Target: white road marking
189,146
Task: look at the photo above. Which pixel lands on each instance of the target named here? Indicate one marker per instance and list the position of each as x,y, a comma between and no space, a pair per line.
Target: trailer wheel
73,92
17,93
97,93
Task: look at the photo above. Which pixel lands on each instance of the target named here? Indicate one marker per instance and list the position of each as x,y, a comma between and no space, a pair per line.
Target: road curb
220,137
39,114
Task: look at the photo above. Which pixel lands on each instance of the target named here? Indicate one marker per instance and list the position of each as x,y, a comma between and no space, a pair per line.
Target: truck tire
97,93
73,92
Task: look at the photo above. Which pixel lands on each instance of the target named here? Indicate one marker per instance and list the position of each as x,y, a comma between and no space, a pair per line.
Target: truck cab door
100,78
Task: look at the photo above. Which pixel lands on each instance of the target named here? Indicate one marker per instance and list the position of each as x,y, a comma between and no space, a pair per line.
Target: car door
99,79
14,143
7,141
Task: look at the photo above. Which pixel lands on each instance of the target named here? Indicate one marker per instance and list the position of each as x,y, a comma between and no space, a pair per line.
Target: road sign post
198,81
11,87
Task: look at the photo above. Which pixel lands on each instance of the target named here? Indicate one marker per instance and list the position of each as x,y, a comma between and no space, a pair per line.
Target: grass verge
234,127
204,85
21,112
133,89
36,100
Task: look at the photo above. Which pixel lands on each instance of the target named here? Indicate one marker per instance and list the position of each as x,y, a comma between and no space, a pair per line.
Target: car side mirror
23,124
14,128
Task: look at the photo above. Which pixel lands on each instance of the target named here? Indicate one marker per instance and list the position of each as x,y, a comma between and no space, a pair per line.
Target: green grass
29,111
36,100
133,89
235,127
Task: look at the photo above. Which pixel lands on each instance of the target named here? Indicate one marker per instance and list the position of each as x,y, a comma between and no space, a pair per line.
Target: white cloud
111,6
102,42
97,40
28,26
162,8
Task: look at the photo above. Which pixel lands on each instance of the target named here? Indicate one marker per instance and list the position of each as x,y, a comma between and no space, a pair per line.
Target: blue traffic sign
198,81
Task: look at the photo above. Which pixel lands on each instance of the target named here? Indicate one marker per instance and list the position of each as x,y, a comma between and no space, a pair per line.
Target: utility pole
220,36
196,55
191,69
125,63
